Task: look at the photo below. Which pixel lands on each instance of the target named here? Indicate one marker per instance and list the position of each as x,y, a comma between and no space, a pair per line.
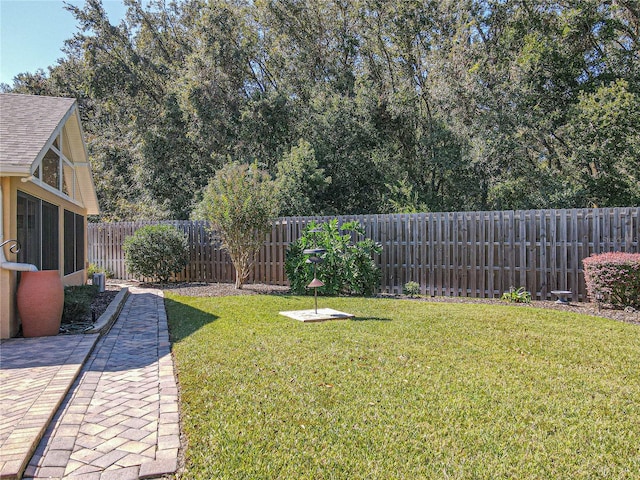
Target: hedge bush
156,251
613,278
347,267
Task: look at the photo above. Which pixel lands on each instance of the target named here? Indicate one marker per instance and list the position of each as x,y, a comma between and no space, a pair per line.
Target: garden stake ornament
315,259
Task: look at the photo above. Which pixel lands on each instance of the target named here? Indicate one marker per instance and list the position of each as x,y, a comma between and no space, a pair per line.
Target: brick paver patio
35,375
120,419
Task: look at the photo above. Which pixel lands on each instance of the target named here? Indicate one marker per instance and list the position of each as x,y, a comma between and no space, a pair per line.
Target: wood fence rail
469,254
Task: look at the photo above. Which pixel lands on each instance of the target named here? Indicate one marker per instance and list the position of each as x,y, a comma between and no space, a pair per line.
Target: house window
55,170
73,242
51,169
37,223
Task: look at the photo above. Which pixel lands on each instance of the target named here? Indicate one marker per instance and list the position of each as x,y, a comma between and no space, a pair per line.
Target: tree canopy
358,106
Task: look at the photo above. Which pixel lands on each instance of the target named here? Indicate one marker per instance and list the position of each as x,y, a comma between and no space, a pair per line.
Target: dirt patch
221,289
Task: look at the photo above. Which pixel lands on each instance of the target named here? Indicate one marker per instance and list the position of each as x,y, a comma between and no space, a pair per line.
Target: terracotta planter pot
40,301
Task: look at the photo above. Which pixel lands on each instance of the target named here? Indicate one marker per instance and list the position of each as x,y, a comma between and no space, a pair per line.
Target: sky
32,33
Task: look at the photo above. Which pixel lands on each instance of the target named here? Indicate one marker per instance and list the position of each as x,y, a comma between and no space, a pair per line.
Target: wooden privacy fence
469,254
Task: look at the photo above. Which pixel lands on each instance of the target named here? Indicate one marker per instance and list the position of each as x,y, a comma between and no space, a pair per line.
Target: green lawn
409,390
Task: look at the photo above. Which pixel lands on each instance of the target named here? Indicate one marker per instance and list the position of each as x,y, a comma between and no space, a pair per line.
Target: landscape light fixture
315,258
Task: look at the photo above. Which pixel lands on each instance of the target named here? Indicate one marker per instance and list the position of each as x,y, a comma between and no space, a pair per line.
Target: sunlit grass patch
406,390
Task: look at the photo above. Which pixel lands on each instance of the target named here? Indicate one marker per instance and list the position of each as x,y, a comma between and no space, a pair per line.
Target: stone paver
120,418
35,375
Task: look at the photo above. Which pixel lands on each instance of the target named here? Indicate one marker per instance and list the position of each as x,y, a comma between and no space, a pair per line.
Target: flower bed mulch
225,289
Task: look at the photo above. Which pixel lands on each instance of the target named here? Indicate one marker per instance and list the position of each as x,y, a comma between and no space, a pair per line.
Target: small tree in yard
239,203
156,251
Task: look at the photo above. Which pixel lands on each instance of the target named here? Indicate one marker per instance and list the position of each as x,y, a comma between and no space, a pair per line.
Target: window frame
31,237
74,239
64,163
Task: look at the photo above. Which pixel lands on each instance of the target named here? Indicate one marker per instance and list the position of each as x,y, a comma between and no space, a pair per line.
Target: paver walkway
35,374
120,420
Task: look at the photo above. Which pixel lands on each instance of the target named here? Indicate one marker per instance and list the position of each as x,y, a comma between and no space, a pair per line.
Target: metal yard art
315,258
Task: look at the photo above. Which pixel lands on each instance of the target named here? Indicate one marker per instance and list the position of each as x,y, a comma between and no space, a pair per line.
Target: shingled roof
28,126
27,123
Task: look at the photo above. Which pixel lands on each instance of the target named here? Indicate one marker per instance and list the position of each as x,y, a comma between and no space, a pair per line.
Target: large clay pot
40,301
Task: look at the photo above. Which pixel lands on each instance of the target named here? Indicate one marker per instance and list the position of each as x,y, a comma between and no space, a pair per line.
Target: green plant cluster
347,267
156,251
412,289
77,302
519,295
93,268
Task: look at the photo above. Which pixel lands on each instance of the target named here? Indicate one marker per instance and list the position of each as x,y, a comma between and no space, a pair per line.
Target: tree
511,74
239,204
604,136
171,168
299,181
473,104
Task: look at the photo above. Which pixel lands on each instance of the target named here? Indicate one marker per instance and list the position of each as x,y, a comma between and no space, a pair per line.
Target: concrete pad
323,315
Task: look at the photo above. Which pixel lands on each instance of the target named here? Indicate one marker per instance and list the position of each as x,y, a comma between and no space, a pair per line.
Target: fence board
477,254
473,249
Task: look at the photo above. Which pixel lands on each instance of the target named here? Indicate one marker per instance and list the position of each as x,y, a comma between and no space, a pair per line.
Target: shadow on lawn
370,319
185,320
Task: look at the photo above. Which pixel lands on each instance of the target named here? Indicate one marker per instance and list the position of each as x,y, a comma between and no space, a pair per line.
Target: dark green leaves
347,266
439,106
156,252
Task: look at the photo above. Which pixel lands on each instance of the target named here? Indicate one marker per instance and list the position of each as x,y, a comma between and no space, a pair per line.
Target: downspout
15,266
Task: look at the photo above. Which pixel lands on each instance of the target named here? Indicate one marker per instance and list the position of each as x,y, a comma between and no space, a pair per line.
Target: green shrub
93,268
347,267
156,251
77,302
411,288
517,296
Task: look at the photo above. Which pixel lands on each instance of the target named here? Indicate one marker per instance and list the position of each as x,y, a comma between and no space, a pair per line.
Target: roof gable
28,126
27,123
